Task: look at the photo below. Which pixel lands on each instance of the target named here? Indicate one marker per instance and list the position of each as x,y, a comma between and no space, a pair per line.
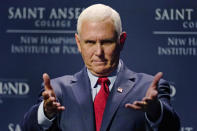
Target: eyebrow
102,41
90,41
108,40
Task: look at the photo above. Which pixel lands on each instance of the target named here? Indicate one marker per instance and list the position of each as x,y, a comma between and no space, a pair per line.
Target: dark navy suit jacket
74,92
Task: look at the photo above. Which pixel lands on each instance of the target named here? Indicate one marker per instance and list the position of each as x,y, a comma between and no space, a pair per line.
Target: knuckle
44,93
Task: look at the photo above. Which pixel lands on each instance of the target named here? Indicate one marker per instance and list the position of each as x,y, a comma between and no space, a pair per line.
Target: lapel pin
120,90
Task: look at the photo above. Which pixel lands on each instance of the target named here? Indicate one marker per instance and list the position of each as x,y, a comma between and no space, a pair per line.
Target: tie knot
103,80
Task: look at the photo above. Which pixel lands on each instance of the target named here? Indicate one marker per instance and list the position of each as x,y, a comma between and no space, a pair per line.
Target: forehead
100,29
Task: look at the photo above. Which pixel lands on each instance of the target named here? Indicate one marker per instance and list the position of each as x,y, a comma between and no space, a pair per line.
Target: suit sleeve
170,121
30,120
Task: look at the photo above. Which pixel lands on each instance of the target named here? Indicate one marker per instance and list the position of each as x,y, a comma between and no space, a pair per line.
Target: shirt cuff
155,125
43,121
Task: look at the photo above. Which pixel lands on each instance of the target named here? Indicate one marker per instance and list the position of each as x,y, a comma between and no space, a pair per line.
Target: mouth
99,62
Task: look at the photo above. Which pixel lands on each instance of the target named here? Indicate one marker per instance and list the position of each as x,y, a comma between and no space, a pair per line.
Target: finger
133,106
56,104
148,102
140,103
146,99
56,107
47,84
45,95
156,79
151,94
137,105
49,102
60,108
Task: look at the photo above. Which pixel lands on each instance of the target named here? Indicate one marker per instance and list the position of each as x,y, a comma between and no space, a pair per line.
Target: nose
99,49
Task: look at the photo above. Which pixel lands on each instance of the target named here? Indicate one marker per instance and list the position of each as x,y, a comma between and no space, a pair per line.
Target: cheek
111,52
87,54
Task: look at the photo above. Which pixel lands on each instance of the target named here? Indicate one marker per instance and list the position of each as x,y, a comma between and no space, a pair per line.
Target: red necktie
101,100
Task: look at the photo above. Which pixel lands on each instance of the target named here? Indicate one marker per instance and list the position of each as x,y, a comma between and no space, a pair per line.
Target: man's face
99,46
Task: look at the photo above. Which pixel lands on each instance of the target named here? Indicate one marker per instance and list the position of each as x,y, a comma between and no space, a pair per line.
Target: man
105,95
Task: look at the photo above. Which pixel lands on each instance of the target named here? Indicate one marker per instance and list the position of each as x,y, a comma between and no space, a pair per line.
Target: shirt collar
111,77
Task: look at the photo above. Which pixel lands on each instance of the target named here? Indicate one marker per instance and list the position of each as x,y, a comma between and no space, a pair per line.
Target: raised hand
51,106
149,103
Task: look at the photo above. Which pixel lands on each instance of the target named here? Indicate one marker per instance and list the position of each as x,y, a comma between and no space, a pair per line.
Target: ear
78,42
123,37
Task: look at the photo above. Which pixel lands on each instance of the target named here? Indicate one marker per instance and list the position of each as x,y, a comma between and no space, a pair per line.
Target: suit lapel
82,91
125,80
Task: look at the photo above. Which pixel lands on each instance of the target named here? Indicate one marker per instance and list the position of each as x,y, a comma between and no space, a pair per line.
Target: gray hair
100,12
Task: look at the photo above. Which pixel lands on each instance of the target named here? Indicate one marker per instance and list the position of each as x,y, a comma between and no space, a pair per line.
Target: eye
90,42
110,41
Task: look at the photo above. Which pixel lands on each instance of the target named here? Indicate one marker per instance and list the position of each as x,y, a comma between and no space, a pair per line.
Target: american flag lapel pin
120,90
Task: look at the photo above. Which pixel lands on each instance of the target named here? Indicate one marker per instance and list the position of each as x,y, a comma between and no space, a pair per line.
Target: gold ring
144,103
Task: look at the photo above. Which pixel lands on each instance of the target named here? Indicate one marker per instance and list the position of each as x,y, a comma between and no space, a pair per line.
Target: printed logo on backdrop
13,88
41,30
178,27
188,128
14,127
172,91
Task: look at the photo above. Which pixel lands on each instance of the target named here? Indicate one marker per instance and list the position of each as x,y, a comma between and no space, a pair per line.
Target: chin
102,72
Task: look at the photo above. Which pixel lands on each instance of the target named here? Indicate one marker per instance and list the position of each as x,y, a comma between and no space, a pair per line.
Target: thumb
47,84
156,79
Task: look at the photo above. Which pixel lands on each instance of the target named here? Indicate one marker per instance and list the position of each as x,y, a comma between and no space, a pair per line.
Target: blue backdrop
37,36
